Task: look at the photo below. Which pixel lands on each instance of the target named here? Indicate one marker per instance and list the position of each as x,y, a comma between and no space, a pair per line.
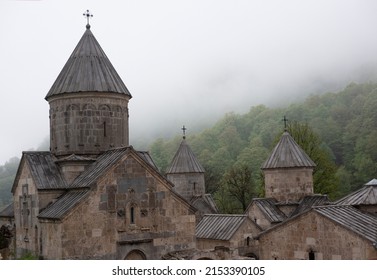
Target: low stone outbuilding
234,233
322,233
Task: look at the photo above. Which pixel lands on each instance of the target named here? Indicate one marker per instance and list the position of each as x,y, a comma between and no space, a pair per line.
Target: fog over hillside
185,62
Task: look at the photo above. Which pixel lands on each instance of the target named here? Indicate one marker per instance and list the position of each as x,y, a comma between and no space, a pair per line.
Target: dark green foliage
324,174
5,236
344,130
344,123
7,175
28,256
238,185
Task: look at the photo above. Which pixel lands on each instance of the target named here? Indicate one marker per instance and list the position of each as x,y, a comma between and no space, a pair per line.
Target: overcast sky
184,62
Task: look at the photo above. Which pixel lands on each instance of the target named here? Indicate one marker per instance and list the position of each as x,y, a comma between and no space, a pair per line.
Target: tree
325,179
239,185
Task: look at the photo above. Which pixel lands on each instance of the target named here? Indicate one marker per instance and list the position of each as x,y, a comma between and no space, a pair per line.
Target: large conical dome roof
88,70
185,161
287,153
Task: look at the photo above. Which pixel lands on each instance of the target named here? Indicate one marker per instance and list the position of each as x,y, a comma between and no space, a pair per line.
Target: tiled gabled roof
205,201
63,205
268,207
219,226
7,211
287,153
96,169
88,70
351,218
367,195
46,174
103,163
185,161
309,201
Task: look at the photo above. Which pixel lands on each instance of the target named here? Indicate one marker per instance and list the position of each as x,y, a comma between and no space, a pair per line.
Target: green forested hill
7,174
345,122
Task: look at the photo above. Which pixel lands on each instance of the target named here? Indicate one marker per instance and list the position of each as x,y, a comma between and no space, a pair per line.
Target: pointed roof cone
88,70
287,153
185,161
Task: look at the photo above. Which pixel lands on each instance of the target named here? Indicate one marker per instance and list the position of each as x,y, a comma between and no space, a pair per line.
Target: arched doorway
135,255
252,256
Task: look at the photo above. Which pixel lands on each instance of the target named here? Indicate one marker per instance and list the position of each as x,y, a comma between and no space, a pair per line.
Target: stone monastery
93,196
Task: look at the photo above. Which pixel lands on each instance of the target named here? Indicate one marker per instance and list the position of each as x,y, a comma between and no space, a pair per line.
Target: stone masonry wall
188,184
289,184
26,210
88,123
313,232
130,208
256,215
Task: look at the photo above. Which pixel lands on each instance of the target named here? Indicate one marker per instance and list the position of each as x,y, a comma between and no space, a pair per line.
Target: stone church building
93,196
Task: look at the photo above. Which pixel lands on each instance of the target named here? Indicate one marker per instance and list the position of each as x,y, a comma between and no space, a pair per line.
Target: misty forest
337,130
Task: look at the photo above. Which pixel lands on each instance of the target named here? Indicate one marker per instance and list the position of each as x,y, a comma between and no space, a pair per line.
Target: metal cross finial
88,15
285,120
184,132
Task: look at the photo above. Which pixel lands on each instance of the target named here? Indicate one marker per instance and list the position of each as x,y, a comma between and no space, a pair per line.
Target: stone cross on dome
184,132
88,15
285,120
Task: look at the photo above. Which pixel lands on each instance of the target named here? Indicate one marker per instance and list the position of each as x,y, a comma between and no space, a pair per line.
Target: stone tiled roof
185,161
7,211
286,154
63,205
44,171
349,217
367,195
103,163
308,202
205,201
219,226
147,158
80,187
76,158
268,207
88,70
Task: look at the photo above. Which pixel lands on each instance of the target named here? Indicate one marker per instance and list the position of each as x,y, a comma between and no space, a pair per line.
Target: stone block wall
88,123
130,208
288,184
188,184
26,210
256,215
313,233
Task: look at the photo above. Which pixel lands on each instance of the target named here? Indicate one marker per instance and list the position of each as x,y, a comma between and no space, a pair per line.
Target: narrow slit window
132,215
